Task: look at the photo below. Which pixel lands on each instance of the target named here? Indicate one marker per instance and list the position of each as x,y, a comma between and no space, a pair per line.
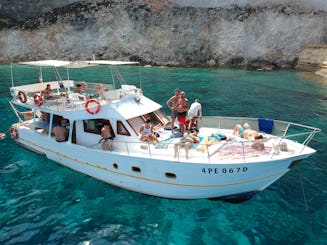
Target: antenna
12,76
140,77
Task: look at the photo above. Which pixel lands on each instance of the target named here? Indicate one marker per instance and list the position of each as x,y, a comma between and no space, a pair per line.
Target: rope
309,218
94,144
302,188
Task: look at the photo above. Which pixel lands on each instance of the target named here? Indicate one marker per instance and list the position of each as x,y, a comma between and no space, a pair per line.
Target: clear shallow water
44,203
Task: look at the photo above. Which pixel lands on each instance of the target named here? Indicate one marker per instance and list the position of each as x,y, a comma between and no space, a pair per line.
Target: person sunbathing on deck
47,93
246,132
187,141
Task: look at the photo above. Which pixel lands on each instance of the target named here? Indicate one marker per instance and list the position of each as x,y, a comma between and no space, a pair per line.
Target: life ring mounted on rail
14,133
22,97
38,99
93,106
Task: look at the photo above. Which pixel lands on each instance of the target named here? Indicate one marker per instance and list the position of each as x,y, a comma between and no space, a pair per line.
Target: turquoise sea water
44,203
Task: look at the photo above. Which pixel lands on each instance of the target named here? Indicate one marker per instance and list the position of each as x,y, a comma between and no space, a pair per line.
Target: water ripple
11,168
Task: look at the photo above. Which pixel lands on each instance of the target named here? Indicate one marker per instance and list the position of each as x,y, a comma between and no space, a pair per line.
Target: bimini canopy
53,63
111,62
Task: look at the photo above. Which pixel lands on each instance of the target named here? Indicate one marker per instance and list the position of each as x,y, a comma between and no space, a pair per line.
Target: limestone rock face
163,33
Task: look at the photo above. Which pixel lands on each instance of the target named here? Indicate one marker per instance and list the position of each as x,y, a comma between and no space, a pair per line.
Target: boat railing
242,150
211,152
298,132
64,97
238,150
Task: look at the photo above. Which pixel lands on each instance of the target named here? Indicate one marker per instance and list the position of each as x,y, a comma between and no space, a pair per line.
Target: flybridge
55,64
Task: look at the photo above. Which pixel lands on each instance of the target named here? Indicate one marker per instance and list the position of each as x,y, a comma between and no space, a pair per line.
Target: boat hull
163,178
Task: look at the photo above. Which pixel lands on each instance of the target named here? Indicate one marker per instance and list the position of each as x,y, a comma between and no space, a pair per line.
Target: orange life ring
14,133
38,99
90,109
22,97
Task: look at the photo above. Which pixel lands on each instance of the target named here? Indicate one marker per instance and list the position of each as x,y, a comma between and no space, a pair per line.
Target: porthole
136,169
115,165
170,175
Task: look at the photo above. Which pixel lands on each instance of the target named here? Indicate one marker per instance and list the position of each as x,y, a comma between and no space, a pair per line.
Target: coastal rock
265,36
314,58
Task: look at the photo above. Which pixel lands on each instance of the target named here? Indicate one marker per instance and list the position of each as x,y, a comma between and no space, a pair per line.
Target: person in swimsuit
172,105
60,132
146,131
191,123
187,141
79,89
182,107
106,136
47,93
28,114
246,132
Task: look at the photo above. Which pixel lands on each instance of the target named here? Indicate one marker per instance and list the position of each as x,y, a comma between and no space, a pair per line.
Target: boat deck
232,149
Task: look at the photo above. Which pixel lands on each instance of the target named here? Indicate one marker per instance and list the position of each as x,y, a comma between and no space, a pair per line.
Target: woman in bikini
146,131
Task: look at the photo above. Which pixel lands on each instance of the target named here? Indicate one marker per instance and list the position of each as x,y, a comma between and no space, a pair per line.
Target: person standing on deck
195,109
172,105
182,107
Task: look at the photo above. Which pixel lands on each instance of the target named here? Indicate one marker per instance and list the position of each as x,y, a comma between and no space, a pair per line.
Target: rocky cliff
163,33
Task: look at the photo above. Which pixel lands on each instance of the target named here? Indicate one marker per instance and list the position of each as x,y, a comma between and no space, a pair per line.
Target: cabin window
115,165
44,116
42,122
155,121
90,126
158,120
56,120
121,129
162,116
60,121
94,126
